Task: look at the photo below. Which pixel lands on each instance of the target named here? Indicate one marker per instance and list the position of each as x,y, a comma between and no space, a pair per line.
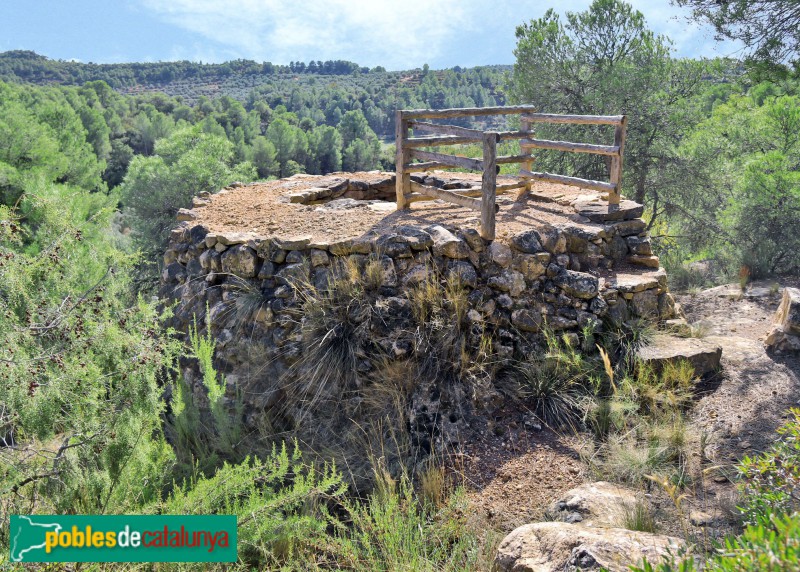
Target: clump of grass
374,273
622,341
628,459
433,484
554,385
638,516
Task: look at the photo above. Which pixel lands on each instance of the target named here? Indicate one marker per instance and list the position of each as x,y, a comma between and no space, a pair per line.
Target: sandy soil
264,209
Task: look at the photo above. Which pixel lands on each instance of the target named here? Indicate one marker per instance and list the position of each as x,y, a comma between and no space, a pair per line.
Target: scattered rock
500,254
240,260
700,518
578,284
559,546
527,242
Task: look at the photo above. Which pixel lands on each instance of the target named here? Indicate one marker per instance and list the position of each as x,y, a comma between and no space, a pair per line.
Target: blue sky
451,32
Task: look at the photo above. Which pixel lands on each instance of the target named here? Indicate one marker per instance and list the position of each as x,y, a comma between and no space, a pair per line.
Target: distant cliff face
408,325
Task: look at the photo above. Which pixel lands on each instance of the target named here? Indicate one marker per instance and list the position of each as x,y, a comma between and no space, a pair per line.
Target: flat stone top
264,210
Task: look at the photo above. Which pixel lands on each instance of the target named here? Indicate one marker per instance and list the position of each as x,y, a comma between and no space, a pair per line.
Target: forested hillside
320,91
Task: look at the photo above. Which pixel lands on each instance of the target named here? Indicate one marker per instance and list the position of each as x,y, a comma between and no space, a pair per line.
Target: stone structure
570,275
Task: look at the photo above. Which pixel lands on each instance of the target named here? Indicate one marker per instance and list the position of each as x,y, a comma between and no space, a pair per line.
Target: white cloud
370,32
397,35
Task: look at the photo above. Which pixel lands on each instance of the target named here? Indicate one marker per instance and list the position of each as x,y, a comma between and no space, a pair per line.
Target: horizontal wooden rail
466,112
449,196
425,166
476,191
514,135
451,160
573,181
439,129
573,119
504,159
415,142
569,147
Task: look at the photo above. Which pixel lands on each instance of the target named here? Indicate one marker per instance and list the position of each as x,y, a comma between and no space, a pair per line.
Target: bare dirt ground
515,476
749,399
264,209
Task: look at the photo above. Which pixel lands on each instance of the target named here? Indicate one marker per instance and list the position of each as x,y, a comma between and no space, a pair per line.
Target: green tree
361,148
605,61
770,29
264,157
290,144
327,149
186,163
764,216
81,361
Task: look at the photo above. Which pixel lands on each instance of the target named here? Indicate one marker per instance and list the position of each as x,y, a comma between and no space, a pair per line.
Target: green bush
771,481
773,547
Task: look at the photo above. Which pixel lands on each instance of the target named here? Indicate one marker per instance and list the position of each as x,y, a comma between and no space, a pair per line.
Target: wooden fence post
525,125
403,179
616,162
489,184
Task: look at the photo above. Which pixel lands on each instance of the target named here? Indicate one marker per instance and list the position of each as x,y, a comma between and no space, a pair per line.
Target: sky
396,35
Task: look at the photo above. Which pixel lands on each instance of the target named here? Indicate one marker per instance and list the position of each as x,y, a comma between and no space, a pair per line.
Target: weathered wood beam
426,166
467,112
570,147
525,127
402,179
414,142
504,159
448,196
451,160
564,180
514,135
510,186
488,185
574,119
477,192
438,129
616,162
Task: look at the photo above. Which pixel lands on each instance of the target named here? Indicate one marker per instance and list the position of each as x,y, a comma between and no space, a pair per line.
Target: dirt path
749,399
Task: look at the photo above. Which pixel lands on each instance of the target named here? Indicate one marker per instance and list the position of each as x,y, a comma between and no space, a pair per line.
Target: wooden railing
434,134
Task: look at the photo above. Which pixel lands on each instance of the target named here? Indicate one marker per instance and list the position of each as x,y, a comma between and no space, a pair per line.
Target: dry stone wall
571,278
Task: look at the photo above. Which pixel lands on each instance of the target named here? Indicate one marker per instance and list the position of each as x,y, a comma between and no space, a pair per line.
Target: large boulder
560,546
702,354
785,334
594,504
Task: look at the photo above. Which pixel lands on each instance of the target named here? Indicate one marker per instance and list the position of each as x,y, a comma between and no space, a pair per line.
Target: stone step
599,210
704,355
627,282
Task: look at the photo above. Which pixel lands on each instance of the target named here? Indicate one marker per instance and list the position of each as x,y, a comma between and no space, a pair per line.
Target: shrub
773,547
771,481
553,384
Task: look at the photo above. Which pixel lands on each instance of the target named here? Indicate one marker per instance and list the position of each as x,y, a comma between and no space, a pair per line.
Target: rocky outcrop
560,546
785,334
